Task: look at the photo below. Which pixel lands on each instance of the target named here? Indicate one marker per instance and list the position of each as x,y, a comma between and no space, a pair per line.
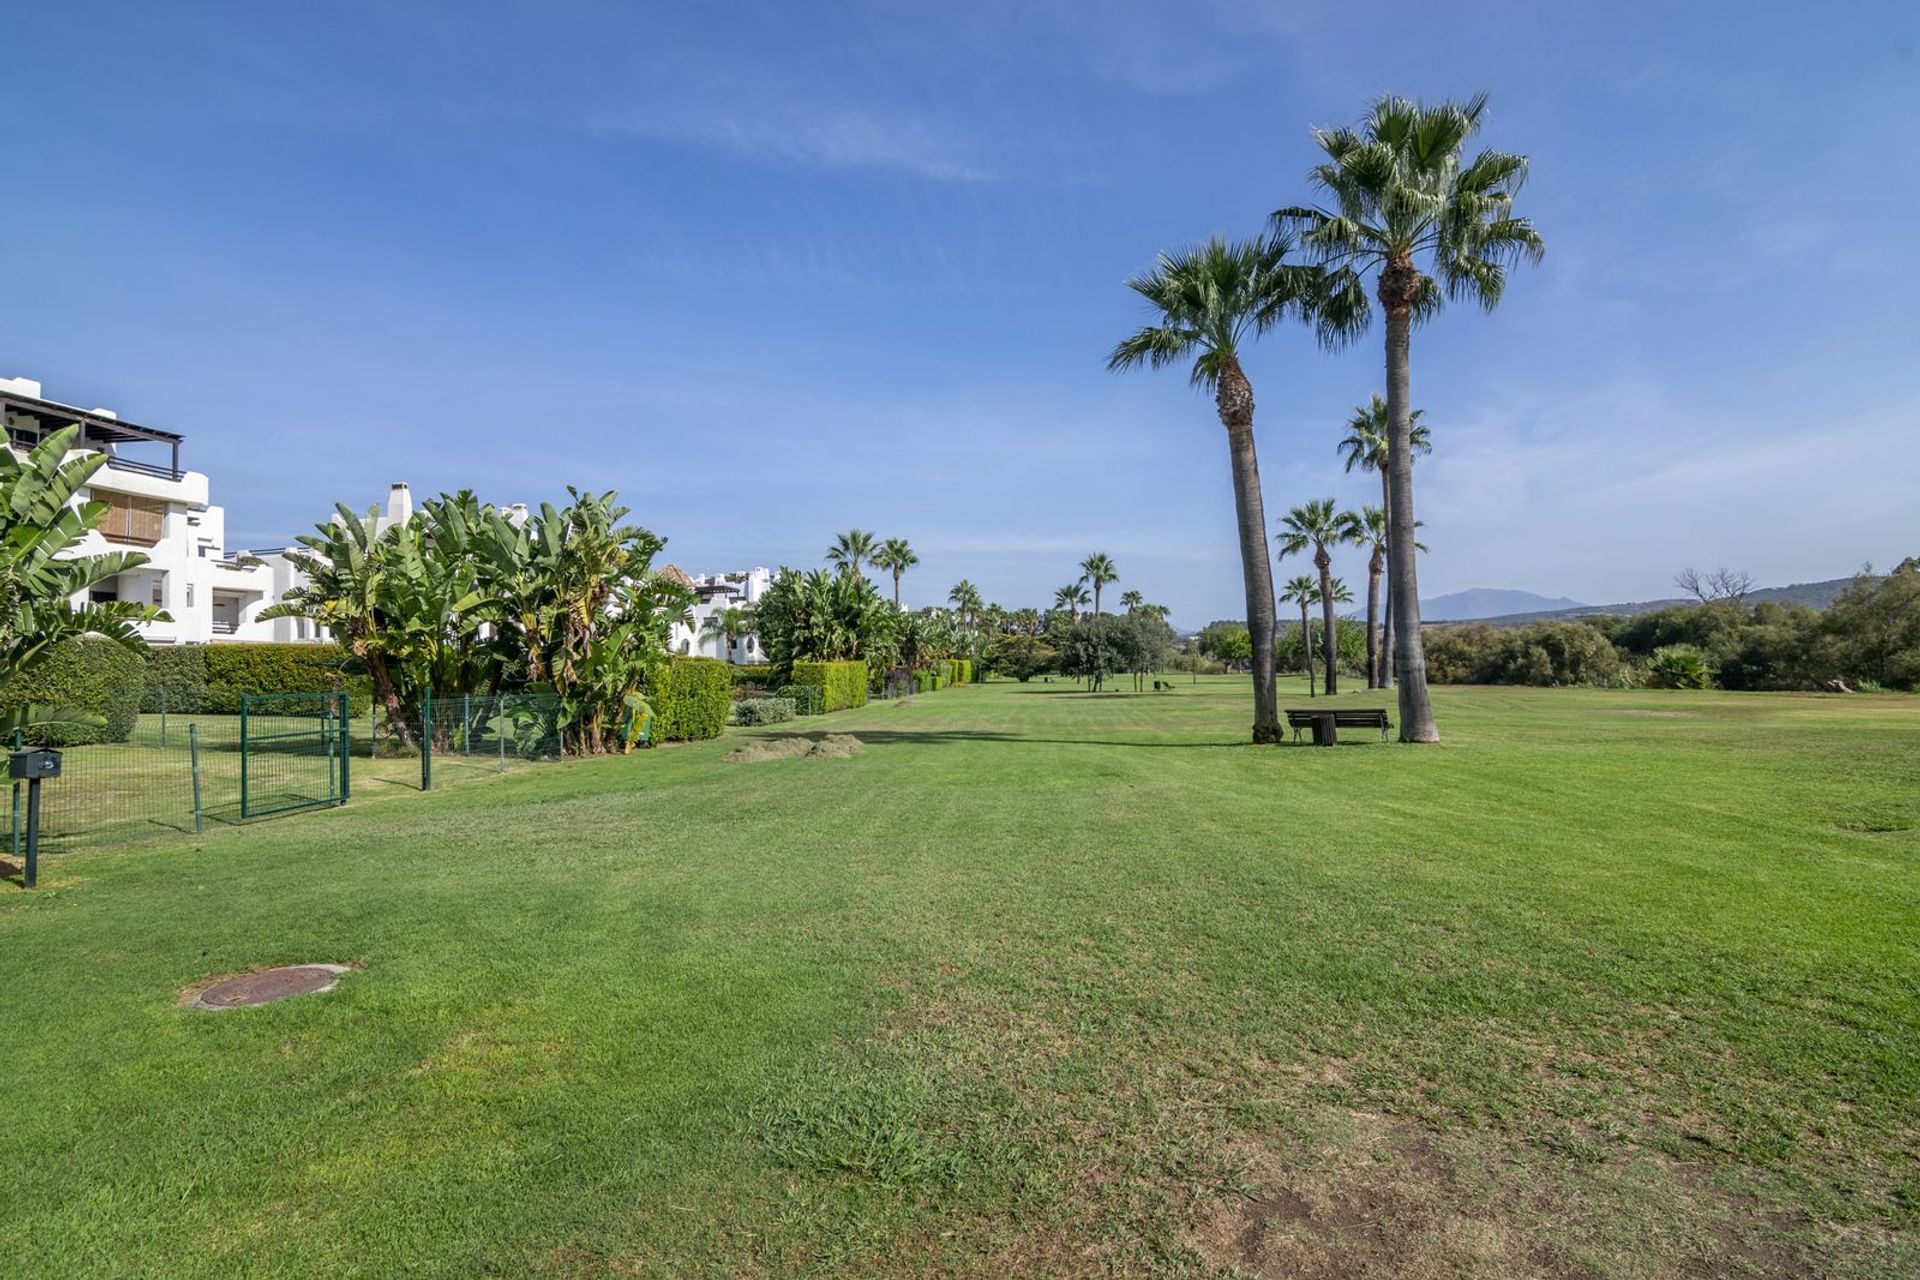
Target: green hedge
753,673
89,674
963,671
691,700
210,679
843,685
807,699
752,711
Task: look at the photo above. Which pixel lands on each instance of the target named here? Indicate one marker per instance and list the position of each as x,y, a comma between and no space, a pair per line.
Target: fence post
426,740
500,732
163,715
466,724
193,750
346,750
244,815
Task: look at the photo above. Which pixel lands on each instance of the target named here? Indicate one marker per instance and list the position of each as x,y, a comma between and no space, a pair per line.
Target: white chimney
399,505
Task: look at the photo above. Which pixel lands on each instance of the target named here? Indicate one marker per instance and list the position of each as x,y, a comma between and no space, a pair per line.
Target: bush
753,673
842,684
234,670
963,671
1541,653
1679,666
89,674
807,699
691,699
763,710
176,679
922,681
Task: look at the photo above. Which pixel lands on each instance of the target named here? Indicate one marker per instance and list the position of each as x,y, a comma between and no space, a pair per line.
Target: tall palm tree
1098,569
965,599
895,556
1304,590
1321,525
1402,191
1070,598
1131,601
849,549
1366,445
1373,537
1209,302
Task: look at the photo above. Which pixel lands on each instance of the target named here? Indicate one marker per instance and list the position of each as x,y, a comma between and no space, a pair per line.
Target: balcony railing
144,468
221,628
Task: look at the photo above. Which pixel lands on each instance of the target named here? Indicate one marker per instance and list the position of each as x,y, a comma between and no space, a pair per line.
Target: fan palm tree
965,599
1131,601
727,625
1366,446
1402,191
1098,569
1209,302
895,556
1071,597
1321,525
849,549
1304,590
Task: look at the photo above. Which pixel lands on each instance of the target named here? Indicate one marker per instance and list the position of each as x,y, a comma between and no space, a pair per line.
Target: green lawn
1039,983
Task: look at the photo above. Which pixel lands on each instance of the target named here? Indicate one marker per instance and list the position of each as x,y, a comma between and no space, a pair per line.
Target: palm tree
1098,569
1070,598
728,625
1304,590
1132,601
897,557
1366,445
1209,302
1321,525
849,549
1373,536
965,599
1401,191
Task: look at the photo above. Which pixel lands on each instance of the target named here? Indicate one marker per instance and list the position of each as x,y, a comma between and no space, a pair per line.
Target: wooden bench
1326,724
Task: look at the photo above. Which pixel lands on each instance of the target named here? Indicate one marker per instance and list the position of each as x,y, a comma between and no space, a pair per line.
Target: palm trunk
1373,612
896,588
1398,283
1330,651
1235,400
1386,621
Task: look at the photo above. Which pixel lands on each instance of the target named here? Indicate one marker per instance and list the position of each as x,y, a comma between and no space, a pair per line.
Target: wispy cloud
825,138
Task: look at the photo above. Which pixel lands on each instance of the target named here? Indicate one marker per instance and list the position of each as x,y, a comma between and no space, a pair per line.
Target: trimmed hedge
843,685
691,700
210,679
763,710
753,673
807,699
88,674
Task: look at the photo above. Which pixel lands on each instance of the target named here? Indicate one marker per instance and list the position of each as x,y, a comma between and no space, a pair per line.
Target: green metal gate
294,752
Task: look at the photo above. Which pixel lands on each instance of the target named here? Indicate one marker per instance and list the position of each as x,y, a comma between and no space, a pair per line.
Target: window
686,646
141,521
105,593
159,590
749,644
189,595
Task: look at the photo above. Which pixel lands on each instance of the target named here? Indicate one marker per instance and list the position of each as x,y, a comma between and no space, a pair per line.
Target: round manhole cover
269,985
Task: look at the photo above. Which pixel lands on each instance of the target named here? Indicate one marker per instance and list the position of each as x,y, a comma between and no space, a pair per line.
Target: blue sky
773,271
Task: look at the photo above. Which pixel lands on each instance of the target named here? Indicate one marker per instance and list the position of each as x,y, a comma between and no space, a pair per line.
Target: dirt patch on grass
834,746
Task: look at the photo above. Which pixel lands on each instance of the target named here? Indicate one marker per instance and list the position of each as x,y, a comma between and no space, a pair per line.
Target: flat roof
52,415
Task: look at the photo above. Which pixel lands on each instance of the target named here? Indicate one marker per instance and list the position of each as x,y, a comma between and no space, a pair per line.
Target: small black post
33,831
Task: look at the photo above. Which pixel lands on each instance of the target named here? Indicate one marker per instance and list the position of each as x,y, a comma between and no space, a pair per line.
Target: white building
159,509
716,593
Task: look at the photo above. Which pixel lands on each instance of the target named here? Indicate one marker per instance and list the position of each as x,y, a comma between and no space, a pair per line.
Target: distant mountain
1491,602
1817,594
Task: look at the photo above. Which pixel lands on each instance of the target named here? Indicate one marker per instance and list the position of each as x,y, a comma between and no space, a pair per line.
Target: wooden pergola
27,416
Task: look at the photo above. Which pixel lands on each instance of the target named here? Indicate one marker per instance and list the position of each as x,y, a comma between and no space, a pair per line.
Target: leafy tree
1366,445
1401,191
1098,569
896,557
1321,525
40,525
1872,630
1021,655
1209,302
849,549
1096,649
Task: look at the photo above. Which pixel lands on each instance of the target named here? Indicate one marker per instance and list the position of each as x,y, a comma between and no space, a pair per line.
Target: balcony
155,470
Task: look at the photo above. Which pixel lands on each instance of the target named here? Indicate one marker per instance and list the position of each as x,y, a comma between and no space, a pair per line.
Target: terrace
30,418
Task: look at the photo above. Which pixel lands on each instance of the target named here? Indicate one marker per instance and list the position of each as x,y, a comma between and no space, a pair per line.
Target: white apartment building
716,593
158,508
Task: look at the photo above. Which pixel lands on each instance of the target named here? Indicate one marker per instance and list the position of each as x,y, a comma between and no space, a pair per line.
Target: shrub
842,684
89,674
691,699
763,710
922,681
963,671
176,679
234,670
1679,666
753,673
807,699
